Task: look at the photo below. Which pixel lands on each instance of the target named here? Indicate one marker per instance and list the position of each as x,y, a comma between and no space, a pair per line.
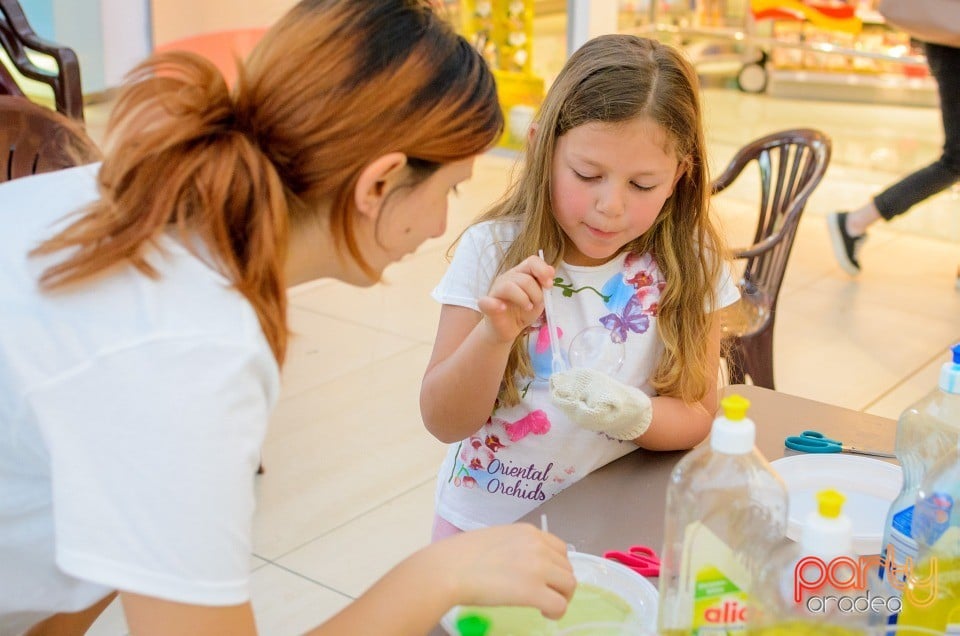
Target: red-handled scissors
639,558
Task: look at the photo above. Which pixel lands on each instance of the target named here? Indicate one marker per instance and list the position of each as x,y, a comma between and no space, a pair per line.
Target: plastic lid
950,372
735,407
472,625
733,432
827,532
830,502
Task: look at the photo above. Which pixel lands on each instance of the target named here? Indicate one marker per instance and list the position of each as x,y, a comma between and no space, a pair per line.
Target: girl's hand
515,299
516,564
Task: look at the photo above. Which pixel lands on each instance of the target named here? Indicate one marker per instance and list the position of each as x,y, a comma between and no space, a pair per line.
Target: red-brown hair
333,85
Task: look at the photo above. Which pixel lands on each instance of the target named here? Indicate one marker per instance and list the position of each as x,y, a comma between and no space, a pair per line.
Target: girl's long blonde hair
332,86
612,79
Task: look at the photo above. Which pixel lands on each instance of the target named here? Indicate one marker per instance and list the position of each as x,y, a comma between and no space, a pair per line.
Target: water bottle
933,599
726,508
926,432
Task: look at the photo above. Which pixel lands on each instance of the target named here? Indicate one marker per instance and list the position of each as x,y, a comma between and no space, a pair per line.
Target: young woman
144,320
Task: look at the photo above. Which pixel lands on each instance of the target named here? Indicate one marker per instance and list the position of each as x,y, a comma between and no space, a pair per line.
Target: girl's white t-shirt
527,453
132,413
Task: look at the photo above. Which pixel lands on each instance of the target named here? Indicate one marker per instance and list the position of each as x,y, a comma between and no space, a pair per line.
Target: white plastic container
726,509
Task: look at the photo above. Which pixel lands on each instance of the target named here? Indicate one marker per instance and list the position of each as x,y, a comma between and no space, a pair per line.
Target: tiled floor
349,468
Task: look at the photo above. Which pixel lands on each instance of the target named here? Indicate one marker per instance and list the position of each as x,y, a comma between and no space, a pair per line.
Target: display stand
502,30
800,48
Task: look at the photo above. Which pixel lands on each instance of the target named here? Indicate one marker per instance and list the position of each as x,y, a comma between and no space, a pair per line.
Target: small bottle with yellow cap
726,510
817,585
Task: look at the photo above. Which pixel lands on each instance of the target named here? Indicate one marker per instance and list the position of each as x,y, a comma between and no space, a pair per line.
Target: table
623,503
631,492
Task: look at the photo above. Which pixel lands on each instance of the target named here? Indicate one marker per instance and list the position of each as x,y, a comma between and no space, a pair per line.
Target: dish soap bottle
932,599
726,509
800,588
926,432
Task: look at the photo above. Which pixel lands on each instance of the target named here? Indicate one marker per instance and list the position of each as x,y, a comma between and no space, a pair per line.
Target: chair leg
758,358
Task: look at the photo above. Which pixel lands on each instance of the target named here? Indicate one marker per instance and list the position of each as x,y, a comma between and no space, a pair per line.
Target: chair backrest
18,39
791,164
35,139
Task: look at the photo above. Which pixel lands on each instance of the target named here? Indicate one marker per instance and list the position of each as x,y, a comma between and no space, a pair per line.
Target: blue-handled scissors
817,442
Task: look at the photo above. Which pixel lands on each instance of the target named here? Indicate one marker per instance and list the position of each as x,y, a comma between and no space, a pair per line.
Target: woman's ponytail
178,155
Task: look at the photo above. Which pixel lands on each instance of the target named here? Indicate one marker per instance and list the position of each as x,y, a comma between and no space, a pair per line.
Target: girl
141,337
615,191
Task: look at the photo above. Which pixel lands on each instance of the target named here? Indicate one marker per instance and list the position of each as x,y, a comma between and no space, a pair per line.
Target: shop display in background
502,30
827,49
857,27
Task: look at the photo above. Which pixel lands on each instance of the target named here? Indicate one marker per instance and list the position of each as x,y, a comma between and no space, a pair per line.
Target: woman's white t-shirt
527,453
132,412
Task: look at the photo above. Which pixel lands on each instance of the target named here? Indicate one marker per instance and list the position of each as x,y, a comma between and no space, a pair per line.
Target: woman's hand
516,564
515,299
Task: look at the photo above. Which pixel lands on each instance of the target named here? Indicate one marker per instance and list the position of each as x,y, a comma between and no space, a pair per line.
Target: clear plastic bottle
800,587
926,432
932,600
726,509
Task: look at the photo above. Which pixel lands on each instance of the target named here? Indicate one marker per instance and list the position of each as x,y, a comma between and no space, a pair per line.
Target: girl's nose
610,201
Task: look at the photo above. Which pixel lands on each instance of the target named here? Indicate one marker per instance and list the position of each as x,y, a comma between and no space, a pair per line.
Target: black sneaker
845,247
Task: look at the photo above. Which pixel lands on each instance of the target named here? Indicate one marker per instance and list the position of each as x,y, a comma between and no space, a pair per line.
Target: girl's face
609,183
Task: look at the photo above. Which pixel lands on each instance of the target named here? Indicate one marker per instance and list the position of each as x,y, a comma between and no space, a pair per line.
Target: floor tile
401,305
323,348
912,387
350,558
341,449
286,604
111,622
835,347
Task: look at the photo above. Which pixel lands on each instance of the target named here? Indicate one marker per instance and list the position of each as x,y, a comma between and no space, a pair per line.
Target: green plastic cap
473,625
735,407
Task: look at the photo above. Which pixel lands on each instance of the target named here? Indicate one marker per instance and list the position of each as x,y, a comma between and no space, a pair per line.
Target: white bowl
869,485
636,590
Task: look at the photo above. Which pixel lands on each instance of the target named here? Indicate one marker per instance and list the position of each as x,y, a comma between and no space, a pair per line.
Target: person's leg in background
848,229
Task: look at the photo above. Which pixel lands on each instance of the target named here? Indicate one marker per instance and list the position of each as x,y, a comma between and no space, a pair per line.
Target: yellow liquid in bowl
590,604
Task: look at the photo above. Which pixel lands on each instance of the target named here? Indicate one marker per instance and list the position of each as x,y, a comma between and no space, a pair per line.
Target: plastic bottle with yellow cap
817,585
726,509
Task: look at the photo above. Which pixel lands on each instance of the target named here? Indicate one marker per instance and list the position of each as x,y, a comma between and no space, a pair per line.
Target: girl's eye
584,177
642,188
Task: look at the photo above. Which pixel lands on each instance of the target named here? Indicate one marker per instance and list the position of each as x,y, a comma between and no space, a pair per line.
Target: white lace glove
599,403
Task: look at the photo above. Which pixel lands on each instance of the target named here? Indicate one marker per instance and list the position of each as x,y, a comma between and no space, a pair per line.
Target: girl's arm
501,565
471,349
677,425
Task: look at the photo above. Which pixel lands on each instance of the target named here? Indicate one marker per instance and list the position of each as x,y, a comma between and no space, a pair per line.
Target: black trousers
944,64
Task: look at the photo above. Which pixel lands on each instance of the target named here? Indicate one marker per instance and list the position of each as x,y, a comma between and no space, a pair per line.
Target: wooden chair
36,139
17,40
791,164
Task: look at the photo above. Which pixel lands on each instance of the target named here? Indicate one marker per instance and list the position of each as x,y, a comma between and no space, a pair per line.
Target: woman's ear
531,132
377,179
